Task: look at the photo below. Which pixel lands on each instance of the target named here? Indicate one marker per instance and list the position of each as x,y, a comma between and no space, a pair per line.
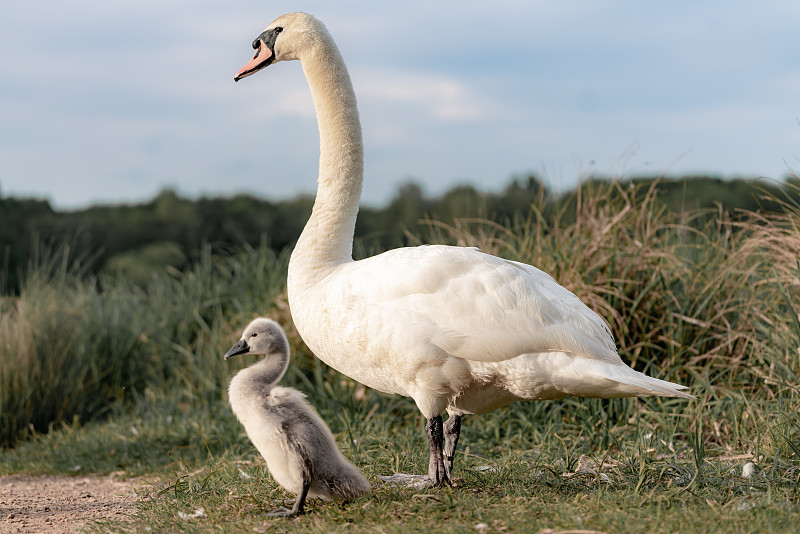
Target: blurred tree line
168,232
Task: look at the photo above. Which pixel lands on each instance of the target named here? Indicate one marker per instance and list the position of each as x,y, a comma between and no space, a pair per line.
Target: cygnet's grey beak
240,348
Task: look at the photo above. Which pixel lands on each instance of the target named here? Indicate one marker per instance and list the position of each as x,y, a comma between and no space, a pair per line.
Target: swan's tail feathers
613,380
654,387
641,385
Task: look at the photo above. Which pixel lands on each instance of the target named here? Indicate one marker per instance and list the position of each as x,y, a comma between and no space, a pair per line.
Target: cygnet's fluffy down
299,449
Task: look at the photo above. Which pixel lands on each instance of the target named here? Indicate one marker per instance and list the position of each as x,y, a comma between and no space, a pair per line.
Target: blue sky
113,101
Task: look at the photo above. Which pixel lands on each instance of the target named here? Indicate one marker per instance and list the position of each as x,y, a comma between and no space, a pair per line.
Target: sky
110,102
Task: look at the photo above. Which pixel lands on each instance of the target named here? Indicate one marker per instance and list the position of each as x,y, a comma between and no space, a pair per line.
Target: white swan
300,451
455,329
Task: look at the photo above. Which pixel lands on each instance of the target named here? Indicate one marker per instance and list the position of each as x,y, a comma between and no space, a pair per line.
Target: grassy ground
103,376
526,468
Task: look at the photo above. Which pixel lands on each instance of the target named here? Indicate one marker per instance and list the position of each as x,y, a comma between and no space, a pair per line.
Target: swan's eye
253,334
279,29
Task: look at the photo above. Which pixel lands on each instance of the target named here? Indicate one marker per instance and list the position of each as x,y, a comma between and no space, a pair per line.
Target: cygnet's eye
253,334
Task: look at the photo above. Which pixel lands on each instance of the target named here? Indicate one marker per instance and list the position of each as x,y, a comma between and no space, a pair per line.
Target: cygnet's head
262,336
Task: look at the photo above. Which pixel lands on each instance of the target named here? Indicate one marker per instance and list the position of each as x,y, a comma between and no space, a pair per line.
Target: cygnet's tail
349,483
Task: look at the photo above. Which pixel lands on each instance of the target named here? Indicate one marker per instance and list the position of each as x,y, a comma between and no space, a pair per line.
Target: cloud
439,97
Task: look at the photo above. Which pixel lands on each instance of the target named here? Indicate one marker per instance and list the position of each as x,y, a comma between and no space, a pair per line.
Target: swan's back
473,305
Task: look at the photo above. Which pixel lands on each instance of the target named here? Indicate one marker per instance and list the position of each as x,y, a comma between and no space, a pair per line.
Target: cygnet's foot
409,481
282,512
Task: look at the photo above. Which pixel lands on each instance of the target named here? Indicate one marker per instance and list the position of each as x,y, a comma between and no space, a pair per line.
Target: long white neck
327,239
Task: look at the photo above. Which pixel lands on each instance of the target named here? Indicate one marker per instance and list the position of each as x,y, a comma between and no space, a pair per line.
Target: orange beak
261,59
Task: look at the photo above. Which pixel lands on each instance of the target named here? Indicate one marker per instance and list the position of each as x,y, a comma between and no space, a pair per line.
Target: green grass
526,493
660,476
101,375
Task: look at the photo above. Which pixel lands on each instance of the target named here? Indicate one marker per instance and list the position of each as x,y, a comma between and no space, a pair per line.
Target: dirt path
61,504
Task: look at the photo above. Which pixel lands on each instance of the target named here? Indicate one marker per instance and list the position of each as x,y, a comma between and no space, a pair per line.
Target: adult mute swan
453,328
300,451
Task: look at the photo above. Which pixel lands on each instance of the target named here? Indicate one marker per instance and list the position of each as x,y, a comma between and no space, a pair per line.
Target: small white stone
194,515
748,470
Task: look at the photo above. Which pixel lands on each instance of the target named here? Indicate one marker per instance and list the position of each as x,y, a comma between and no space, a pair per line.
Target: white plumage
299,449
454,328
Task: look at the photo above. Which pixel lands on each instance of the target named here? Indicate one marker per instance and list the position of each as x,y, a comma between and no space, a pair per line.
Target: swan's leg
452,429
299,504
437,473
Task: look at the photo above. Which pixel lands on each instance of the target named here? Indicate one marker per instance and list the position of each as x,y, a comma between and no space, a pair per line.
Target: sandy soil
62,504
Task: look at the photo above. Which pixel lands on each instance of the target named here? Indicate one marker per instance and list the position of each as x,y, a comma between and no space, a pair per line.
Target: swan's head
262,336
287,37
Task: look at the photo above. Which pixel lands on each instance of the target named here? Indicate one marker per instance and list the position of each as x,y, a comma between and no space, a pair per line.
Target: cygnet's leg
452,429
299,503
437,474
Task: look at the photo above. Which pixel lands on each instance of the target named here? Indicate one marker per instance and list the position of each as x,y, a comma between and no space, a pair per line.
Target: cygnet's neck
327,240
268,371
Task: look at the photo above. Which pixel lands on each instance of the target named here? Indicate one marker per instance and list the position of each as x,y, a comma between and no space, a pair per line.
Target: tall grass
72,347
692,297
686,303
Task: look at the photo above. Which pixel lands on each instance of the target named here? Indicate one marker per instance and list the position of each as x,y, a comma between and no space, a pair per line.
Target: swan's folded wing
477,306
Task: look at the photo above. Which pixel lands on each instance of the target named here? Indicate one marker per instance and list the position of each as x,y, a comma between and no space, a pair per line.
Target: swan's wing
476,306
